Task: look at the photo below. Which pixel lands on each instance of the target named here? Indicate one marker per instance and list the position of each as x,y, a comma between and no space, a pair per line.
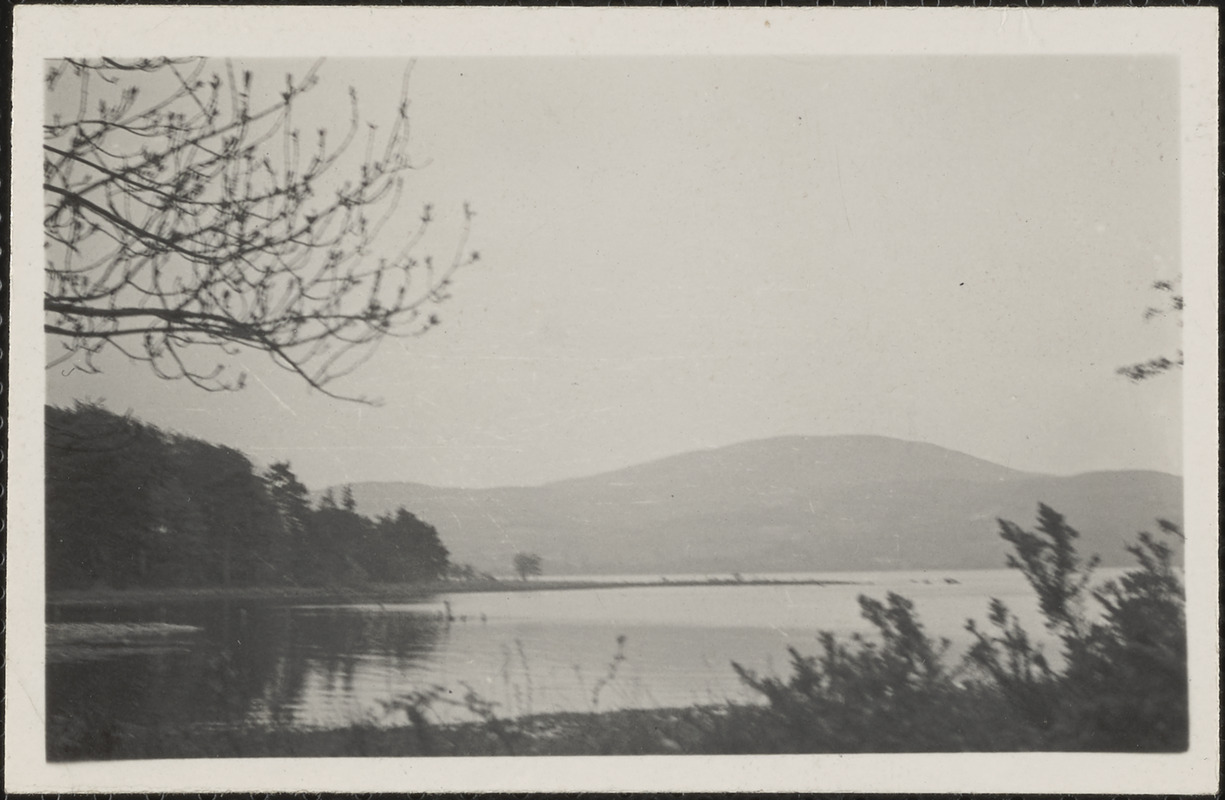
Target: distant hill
795,503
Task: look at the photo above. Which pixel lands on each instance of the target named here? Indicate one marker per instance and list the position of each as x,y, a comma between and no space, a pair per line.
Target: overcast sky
685,253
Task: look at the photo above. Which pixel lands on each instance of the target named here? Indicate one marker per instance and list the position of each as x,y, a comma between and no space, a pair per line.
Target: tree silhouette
528,564
187,218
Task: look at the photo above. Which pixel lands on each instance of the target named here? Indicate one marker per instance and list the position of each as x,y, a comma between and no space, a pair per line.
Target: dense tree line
131,505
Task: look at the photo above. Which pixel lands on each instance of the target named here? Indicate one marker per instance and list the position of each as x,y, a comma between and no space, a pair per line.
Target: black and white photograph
709,387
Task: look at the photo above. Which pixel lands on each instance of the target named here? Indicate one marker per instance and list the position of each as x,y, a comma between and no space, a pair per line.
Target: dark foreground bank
631,732
971,720
700,730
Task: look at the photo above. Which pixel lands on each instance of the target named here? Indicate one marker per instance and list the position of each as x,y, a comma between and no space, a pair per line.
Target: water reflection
247,662
529,652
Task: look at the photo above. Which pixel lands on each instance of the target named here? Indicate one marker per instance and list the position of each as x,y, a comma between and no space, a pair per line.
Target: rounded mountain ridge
850,502
812,461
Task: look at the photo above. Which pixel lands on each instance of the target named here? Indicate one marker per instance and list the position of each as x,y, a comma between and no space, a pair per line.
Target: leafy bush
1121,686
895,694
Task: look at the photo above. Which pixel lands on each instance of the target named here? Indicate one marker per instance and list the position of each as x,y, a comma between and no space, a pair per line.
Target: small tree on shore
528,565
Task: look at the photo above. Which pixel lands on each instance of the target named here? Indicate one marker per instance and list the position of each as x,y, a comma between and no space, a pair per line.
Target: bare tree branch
191,223
1159,365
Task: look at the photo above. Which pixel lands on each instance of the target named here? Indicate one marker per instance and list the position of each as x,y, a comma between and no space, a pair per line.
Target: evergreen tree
289,553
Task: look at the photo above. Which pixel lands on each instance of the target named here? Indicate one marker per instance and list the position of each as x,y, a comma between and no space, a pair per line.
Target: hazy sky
685,253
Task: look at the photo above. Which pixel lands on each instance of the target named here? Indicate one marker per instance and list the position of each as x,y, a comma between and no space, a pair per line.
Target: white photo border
1189,34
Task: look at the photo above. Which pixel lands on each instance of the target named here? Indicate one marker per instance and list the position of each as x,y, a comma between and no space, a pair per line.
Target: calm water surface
529,652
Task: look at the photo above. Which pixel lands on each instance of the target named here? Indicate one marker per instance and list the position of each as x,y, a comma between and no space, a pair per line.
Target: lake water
527,651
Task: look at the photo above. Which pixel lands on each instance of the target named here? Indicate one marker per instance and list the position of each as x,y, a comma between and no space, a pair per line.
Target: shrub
1121,686
892,695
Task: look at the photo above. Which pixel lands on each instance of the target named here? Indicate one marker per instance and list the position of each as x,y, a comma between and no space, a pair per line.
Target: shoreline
711,728
406,592
726,728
